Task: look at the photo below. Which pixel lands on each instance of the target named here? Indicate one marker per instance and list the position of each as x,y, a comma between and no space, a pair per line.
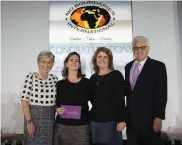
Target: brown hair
108,52
65,69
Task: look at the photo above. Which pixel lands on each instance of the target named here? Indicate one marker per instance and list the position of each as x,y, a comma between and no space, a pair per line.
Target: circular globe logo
90,17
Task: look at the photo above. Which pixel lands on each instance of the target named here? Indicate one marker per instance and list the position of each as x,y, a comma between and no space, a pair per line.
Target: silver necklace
98,80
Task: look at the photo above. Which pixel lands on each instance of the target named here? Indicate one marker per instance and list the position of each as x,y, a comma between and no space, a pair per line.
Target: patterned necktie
135,75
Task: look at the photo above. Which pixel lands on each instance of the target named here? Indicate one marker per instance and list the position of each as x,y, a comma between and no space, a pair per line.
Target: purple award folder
72,112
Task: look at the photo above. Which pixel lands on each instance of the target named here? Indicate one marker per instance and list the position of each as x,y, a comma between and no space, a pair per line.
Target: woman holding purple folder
73,94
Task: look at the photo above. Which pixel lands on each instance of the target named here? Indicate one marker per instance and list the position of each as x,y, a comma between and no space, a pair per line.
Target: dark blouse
108,103
76,94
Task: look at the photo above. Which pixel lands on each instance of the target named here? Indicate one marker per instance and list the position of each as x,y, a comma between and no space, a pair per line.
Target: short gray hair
43,54
140,38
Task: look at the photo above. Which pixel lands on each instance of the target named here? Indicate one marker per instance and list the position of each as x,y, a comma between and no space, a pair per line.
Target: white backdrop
160,24
64,39
25,32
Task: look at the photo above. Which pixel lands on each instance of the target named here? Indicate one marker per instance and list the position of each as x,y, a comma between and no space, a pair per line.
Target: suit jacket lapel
128,73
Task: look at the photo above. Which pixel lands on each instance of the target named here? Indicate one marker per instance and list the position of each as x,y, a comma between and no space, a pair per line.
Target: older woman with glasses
38,99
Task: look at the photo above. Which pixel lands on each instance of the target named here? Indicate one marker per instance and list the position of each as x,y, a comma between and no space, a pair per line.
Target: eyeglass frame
142,48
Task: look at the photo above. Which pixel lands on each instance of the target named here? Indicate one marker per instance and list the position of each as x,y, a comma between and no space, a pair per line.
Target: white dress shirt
140,67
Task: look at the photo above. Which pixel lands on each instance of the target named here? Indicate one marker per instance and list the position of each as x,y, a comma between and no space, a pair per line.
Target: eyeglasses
142,48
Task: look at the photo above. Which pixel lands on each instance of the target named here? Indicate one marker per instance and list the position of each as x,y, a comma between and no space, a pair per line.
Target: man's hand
121,126
157,125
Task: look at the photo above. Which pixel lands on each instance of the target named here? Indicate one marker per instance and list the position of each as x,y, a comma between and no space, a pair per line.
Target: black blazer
149,97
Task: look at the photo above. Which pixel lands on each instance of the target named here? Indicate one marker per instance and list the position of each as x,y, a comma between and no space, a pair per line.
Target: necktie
135,75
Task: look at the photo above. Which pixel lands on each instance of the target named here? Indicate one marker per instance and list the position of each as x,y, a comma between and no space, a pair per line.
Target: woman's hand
60,110
31,128
121,126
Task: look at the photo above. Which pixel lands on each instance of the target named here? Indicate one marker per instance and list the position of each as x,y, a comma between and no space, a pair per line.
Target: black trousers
149,137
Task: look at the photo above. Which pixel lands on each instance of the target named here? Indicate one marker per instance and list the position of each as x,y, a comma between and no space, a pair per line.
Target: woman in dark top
73,94
108,105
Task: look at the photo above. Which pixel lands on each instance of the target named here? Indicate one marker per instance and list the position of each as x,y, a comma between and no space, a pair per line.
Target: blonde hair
43,54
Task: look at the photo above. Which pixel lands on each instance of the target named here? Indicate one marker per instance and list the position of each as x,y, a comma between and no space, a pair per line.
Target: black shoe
168,142
177,142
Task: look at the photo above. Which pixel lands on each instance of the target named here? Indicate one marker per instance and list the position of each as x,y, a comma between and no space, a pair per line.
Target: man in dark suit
146,92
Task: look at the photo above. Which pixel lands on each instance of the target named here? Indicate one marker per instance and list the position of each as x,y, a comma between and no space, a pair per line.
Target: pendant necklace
99,78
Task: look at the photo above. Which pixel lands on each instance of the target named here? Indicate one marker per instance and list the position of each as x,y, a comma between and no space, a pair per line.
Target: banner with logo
84,26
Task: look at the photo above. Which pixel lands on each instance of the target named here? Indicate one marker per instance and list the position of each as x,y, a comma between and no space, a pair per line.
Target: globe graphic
90,17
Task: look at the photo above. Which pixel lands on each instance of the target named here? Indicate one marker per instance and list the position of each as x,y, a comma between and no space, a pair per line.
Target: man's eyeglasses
142,48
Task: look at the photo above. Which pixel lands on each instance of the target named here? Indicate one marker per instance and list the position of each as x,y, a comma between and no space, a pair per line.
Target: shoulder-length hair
65,69
108,52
